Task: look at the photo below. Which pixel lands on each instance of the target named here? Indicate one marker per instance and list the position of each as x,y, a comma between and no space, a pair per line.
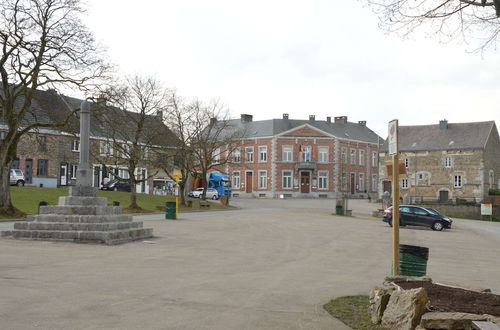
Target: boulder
379,297
405,308
450,320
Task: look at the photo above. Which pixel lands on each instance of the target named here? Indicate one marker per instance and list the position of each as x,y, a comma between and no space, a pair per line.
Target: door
353,183
63,174
443,196
305,178
387,187
406,215
422,217
28,171
249,180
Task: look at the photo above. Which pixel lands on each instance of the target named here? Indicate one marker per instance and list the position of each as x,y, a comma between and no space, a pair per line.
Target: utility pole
394,151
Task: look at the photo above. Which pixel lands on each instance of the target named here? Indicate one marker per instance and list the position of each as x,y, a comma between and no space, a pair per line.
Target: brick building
304,158
50,157
446,161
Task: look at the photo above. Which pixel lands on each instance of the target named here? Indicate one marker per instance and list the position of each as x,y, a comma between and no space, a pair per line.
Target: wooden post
395,214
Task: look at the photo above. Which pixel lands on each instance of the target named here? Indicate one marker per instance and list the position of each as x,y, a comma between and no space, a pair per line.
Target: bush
494,192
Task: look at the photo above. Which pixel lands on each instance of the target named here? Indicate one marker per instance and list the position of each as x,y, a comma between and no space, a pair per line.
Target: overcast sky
323,58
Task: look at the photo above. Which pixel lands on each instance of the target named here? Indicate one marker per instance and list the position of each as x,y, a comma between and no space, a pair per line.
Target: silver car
211,193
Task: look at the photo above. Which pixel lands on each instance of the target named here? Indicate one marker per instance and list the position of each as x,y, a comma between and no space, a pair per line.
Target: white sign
393,137
486,209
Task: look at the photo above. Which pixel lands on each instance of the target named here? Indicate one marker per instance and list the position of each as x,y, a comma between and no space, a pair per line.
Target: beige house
446,161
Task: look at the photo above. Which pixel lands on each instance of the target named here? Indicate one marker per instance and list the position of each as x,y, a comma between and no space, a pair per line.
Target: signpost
177,174
393,151
487,209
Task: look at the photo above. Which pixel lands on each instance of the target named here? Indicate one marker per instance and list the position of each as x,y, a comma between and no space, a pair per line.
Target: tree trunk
182,188
6,207
204,184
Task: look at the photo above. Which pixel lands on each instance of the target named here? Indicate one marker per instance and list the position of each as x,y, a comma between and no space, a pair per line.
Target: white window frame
125,151
323,154
374,159
287,180
106,148
361,157
343,157
361,182
73,169
288,153
353,156
237,155
75,145
448,162
249,152
216,156
236,182
322,180
262,179
262,154
458,181
404,183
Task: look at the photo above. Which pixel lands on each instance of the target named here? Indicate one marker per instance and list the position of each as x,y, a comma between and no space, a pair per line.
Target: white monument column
84,173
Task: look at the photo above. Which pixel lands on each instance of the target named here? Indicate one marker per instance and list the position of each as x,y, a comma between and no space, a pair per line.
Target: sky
322,58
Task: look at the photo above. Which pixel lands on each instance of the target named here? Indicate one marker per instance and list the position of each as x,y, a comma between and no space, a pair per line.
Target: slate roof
48,106
455,136
272,127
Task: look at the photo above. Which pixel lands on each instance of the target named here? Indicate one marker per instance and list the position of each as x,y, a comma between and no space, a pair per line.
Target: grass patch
353,311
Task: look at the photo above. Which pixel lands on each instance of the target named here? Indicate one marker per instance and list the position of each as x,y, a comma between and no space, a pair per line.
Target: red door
249,182
305,182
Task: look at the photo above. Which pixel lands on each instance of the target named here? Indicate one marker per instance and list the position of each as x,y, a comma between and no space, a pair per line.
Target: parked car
117,185
211,193
16,177
412,215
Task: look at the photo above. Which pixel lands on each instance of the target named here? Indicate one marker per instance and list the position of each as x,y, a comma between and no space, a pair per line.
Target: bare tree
43,45
134,128
447,19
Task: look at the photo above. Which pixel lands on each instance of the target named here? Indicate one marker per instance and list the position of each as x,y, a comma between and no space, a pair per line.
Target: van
17,177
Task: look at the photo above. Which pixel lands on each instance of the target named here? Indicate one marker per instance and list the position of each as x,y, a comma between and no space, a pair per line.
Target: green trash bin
413,260
170,210
339,210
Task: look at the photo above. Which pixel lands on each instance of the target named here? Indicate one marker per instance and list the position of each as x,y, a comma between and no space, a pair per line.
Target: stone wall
462,211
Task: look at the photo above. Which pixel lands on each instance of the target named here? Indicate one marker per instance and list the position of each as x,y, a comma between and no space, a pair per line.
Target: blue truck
220,182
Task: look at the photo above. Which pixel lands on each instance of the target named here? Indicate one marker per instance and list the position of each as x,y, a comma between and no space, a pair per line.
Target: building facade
304,158
446,161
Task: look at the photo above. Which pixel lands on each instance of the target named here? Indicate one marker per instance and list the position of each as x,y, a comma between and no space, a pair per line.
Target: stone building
49,157
446,161
304,158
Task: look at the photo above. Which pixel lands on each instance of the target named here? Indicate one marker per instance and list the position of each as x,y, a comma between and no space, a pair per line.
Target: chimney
443,124
246,118
329,120
362,122
213,121
341,119
285,116
312,117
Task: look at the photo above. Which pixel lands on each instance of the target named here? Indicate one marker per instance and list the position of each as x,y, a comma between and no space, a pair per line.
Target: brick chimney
285,116
362,122
246,118
341,119
312,117
328,119
443,124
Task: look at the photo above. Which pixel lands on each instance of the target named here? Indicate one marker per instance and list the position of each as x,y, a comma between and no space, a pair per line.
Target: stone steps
105,237
79,218
76,226
80,209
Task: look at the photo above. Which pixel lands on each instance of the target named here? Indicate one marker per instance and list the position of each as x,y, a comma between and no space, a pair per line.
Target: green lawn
353,311
26,199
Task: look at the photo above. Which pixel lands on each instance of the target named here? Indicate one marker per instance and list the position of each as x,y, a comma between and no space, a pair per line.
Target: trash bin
413,260
339,210
170,210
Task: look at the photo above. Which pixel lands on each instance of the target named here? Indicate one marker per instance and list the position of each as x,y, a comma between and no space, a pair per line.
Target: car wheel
115,189
438,225
214,197
20,183
390,223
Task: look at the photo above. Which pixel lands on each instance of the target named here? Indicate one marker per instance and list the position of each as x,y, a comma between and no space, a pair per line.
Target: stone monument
81,217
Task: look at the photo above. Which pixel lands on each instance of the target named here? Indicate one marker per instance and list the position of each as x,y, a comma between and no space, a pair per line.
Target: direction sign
393,137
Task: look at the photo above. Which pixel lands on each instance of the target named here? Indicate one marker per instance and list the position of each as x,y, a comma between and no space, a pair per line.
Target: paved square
271,265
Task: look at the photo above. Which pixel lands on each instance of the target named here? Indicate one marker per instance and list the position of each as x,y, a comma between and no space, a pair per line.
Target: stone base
81,219
82,191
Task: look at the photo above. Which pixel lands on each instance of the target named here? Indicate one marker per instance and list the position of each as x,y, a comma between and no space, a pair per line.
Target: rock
450,320
465,287
379,297
493,318
405,308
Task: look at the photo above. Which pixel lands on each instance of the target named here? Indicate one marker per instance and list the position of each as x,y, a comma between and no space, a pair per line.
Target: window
249,154
305,153
407,163
123,173
323,155
145,152
344,155
237,155
236,180
374,182
353,156
75,145
447,162
287,154
322,179
43,166
404,184
125,151
374,159
361,181
2,135
216,156
362,157
287,180
491,178
106,149
263,154
262,179
42,143
457,181
73,169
